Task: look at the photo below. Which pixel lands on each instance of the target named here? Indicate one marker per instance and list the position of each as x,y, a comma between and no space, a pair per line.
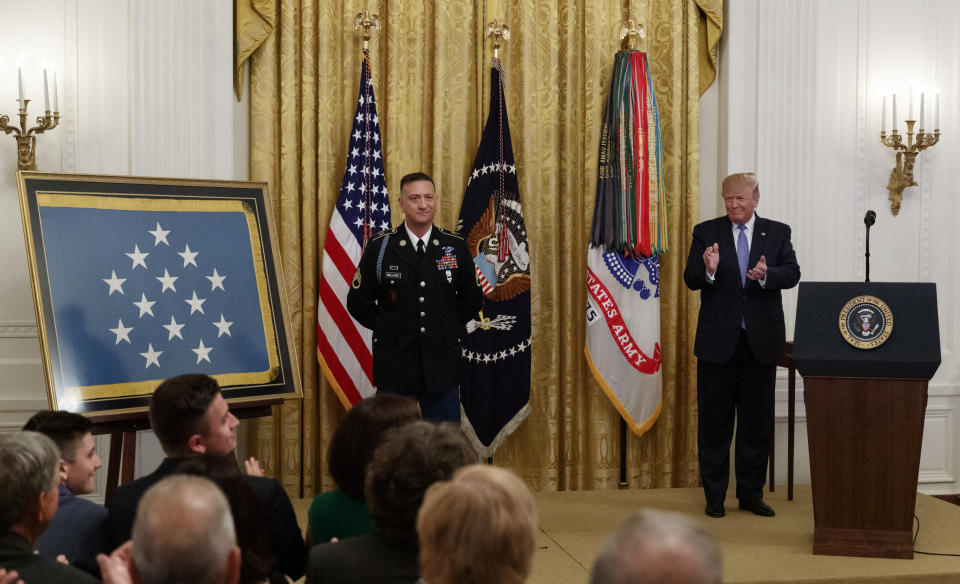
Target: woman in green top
342,512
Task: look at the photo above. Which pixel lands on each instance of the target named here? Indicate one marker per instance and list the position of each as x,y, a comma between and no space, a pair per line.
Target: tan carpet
574,527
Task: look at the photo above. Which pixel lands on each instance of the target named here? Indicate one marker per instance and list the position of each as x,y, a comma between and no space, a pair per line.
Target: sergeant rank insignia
866,322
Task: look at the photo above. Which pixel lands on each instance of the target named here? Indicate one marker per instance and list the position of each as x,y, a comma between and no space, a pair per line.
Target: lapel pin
435,242
403,242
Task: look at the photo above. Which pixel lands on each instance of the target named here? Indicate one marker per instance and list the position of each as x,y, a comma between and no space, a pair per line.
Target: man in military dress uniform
416,289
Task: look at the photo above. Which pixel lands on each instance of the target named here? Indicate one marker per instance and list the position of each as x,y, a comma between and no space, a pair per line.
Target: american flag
362,211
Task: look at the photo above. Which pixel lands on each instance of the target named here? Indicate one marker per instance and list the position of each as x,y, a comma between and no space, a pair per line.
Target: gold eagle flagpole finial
500,33
367,21
632,32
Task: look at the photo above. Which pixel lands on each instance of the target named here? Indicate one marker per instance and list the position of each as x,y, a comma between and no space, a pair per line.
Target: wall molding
18,329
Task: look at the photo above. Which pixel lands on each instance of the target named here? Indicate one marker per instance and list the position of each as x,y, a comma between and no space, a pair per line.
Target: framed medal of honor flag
139,279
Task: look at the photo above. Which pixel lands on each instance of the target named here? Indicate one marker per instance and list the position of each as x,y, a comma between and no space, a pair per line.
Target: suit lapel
758,241
405,250
728,248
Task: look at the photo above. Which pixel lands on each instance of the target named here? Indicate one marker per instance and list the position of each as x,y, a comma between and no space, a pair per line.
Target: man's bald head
184,533
655,547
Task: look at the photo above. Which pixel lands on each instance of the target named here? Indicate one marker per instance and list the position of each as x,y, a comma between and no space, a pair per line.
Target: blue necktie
743,253
743,256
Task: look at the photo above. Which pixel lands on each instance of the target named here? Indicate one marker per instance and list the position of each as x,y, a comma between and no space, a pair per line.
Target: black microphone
869,219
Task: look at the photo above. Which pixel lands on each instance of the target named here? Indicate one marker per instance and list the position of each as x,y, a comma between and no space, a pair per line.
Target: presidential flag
143,289
628,233
495,390
362,210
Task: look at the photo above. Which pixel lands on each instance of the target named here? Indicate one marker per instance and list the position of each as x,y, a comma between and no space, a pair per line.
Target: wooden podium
865,409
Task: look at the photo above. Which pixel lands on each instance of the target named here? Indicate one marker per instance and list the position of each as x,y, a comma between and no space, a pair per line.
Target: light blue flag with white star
155,289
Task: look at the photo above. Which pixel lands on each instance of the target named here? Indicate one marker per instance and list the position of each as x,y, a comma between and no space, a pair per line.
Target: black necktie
420,248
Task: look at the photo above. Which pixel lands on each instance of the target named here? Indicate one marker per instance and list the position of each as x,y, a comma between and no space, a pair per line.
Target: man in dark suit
740,335
183,533
416,288
190,417
29,495
78,530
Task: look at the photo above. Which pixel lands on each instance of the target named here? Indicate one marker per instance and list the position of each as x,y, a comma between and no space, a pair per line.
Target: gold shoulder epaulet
384,232
450,233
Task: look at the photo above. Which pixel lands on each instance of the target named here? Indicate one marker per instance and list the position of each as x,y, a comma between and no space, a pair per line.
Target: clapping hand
759,271
711,258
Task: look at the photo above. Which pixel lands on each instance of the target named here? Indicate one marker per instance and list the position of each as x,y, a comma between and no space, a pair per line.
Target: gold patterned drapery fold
430,70
253,21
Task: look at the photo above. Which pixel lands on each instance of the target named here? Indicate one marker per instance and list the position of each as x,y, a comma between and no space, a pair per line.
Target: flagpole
367,21
632,35
500,33
623,454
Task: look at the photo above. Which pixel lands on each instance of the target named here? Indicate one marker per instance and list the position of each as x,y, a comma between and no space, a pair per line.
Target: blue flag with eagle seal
495,387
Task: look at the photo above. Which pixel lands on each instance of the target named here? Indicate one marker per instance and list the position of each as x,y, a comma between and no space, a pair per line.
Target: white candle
921,111
936,119
56,105
910,109
883,116
46,93
894,112
20,84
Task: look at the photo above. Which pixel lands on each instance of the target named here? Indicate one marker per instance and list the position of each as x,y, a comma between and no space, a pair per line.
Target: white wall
800,91
145,90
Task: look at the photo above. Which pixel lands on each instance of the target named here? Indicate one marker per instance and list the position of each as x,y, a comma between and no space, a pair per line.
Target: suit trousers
742,391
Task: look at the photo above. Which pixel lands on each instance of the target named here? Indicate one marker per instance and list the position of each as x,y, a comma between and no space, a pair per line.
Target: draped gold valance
430,70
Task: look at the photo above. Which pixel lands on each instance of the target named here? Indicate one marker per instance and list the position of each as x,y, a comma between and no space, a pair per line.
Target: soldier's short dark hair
64,428
408,460
178,408
414,177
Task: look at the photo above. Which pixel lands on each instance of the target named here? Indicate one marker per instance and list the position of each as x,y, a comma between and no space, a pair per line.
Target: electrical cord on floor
917,532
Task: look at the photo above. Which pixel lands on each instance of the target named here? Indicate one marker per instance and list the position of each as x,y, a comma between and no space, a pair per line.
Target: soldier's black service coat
416,308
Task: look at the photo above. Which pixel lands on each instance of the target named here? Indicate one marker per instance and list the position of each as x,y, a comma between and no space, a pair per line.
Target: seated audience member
342,512
190,418
478,528
408,460
257,559
656,547
78,530
29,477
183,533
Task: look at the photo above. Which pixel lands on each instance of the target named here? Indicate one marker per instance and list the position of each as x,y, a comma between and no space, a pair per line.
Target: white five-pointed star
196,303
189,257
223,327
145,306
151,356
160,235
174,329
167,280
122,332
216,280
138,258
203,353
115,283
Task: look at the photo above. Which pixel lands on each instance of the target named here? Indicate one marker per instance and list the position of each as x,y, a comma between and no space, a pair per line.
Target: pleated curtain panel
431,73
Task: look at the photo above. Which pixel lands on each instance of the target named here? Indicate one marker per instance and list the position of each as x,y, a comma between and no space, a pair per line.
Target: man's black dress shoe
758,507
715,510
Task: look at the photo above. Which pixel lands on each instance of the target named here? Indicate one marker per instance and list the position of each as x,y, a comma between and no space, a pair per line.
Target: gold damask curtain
431,70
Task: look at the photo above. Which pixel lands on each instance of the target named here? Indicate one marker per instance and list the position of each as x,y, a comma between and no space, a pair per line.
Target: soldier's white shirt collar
414,239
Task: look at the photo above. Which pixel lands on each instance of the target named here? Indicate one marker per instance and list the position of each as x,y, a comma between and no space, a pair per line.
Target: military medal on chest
447,263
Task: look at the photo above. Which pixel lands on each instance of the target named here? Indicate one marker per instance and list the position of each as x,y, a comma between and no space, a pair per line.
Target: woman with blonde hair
477,528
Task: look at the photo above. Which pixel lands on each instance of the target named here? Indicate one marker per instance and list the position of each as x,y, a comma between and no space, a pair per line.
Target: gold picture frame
120,307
